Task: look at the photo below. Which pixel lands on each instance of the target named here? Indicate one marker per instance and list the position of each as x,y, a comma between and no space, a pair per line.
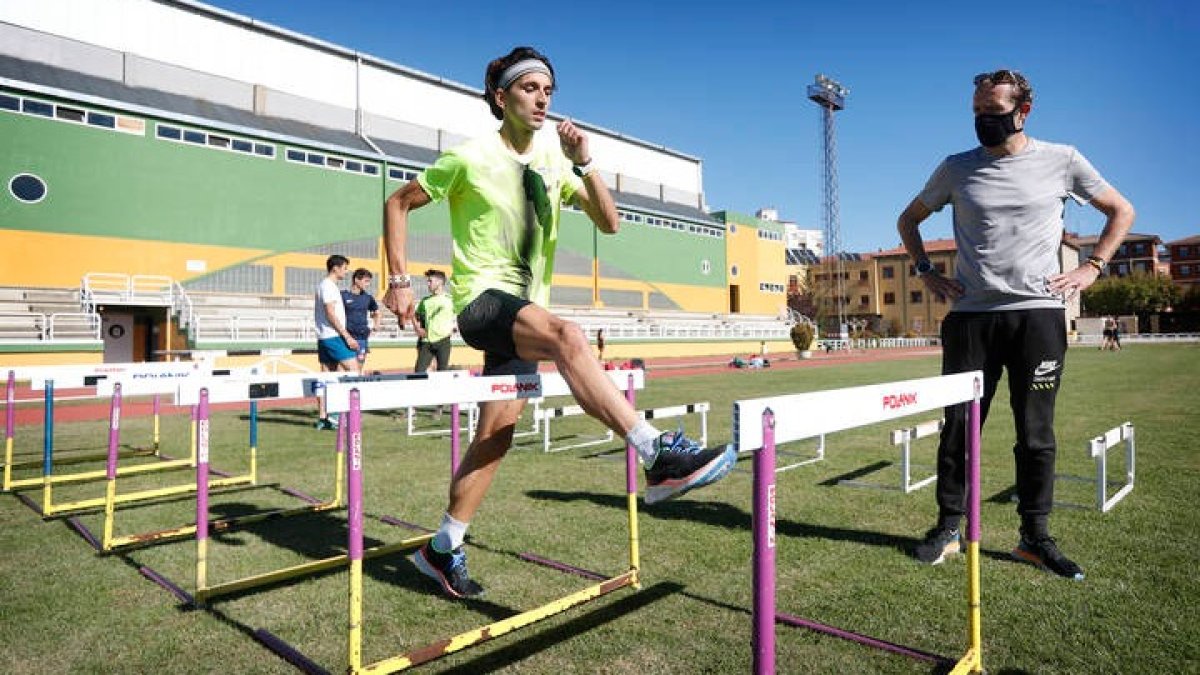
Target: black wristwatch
924,266
582,170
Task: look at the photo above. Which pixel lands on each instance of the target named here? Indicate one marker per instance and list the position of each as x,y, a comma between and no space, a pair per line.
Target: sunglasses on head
1002,76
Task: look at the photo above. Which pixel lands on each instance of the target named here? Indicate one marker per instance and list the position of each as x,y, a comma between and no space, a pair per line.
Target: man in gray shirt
1008,292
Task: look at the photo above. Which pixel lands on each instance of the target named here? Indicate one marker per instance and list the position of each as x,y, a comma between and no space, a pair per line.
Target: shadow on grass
520,650
719,514
321,535
856,473
935,669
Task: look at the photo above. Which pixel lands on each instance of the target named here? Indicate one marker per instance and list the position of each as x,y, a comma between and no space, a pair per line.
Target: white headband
520,68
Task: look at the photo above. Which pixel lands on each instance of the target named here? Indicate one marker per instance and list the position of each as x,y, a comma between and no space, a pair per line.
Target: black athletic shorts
487,325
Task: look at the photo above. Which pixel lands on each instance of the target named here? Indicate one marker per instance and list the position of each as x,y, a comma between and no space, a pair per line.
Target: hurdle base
288,653
826,629
303,569
170,586
82,459
84,532
440,648
561,566
131,541
971,662
144,495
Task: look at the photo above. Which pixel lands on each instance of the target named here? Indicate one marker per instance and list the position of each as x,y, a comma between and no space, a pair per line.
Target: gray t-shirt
1008,220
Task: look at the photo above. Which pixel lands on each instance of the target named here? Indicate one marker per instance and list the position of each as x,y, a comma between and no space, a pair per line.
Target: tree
1136,294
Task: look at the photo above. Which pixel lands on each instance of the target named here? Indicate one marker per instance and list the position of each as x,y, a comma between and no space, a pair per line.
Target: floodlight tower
831,97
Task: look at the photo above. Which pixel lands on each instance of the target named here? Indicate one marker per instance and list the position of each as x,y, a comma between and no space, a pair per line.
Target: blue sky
726,82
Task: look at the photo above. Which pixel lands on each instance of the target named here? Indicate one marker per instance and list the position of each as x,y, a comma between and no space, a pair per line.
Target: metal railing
182,306
835,344
100,288
74,326
1093,339
32,327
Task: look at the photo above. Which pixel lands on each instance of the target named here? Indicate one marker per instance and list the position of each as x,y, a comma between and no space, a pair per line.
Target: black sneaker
938,543
682,465
1043,552
448,569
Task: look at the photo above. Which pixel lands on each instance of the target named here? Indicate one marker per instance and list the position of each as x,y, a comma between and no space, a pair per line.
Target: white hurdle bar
760,424
818,457
904,438
1098,447
473,419
89,375
668,412
546,414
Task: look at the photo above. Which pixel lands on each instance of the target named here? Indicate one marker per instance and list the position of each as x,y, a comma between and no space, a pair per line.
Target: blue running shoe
448,569
938,543
682,465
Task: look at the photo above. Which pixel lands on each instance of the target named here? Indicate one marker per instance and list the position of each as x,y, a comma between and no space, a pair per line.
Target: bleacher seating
41,314
33,314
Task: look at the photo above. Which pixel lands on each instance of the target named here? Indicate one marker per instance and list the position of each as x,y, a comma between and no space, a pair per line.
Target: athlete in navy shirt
359,306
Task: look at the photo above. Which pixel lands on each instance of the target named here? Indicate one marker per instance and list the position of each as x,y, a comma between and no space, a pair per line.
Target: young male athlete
362,312
505,192
336,347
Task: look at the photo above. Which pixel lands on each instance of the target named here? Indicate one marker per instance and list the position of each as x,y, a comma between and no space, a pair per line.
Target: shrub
802,336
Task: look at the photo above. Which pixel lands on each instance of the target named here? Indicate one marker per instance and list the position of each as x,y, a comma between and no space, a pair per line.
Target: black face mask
993,130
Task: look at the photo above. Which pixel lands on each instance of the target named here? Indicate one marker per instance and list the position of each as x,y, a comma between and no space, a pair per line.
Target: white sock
450,534
642,437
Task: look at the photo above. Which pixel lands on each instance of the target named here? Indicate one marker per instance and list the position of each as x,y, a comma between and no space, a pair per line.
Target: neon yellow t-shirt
436,313
499,240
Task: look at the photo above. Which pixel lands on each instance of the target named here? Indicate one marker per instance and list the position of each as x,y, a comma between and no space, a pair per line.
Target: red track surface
30,412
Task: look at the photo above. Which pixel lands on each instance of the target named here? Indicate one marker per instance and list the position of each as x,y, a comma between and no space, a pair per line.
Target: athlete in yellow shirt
505,193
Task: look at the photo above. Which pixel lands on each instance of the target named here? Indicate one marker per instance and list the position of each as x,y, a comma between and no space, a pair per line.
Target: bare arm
595,199
332,318
909,226
597,202
395,235
1120,216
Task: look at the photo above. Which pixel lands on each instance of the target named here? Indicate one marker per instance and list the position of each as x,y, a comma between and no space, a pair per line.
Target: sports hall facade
171,138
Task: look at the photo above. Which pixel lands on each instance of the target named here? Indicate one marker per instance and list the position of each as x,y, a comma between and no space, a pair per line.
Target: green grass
841,552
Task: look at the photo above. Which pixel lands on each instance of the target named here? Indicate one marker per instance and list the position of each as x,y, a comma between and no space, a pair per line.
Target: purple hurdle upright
763,532
823,412
355,517
201,449
631,488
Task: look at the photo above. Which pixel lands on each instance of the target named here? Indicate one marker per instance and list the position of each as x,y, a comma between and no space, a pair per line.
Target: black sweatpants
1031,345
427,351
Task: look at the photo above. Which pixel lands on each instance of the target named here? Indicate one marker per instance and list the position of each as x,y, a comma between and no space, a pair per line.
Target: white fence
877,343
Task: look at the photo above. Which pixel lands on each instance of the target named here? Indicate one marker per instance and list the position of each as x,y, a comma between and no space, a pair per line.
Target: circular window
733,271
705,267
28,188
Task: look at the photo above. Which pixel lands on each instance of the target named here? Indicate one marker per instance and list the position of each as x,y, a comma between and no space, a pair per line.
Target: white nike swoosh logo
1040,371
